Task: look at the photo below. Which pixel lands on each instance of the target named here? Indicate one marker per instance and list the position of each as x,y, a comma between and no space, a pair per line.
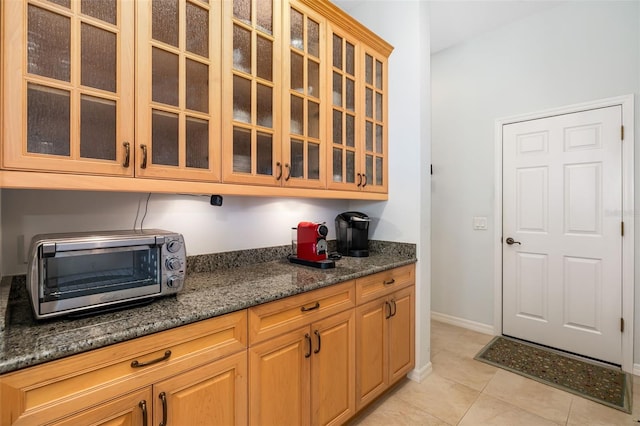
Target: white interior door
562,208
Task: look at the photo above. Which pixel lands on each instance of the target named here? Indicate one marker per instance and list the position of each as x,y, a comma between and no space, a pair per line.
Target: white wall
572,53
240,223
406,216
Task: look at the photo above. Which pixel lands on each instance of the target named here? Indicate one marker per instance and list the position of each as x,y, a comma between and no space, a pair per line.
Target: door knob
511,241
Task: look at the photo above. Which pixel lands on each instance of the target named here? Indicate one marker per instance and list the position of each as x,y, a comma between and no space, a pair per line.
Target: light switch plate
480,223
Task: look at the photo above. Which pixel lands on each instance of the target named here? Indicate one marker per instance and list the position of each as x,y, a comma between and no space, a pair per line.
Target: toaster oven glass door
83,278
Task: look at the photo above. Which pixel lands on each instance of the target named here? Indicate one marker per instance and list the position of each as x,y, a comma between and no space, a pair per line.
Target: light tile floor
462,391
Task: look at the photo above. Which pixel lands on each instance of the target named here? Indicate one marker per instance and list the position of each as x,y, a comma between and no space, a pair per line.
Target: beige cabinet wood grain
302,358
88,381
68,87
274,122
306,376
279,384
178,90
385,343
214,394
333,365
255,97
358,150
129,410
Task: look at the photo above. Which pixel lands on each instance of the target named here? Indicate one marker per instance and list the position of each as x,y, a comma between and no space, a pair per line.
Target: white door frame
627,103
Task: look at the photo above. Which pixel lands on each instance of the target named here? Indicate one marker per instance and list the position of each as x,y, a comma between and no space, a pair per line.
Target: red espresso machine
310,245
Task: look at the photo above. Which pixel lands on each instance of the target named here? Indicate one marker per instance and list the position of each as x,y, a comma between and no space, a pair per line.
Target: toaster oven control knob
173,246
174,282
173,264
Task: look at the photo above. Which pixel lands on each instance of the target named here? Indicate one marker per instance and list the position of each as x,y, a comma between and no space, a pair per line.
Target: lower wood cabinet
213,394
130,409
306,376
200,368
385,343
312,359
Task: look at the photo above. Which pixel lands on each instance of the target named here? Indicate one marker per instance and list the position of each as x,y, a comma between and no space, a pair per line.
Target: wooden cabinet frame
21,171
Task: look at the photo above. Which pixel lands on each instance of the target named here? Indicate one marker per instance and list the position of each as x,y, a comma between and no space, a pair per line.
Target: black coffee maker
352,234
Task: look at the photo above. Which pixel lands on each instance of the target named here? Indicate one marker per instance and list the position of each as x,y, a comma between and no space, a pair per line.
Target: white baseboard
464,323
418,375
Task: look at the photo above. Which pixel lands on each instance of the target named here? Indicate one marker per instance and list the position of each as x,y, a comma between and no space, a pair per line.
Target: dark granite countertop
215,285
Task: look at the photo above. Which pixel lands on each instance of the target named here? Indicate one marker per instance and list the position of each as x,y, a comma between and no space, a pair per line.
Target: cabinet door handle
279,166
395,308
138,364
365,180
308,339
163,398
288,167
359,179
143,407
305,309
127,154
317,333
389,282
387,309
144,157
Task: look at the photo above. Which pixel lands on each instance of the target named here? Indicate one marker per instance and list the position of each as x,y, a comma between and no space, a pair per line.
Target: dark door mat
607,385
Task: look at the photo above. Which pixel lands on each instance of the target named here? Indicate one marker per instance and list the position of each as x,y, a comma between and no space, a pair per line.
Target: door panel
531,281
562,205
333,369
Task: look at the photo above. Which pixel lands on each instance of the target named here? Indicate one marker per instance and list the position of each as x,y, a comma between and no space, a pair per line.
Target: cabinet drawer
383,283
274,318
59,388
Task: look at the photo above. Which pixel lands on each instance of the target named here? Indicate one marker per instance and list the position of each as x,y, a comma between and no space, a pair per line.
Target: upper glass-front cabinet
303,108
357,158
287,93
68,89
375,131
178,91
251,91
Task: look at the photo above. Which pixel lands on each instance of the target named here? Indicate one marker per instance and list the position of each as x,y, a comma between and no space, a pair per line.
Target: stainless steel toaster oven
76,273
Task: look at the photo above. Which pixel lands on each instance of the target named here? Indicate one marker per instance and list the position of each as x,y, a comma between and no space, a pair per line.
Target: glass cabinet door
69,86
251,148
178,67
343,155
304,151
374,123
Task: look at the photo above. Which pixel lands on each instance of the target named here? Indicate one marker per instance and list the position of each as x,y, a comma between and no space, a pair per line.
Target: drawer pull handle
389,282
163,398
143,407
317,333
305,309
308,339
137,364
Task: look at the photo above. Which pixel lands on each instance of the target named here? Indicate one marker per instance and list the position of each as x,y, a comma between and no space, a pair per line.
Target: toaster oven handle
96,244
